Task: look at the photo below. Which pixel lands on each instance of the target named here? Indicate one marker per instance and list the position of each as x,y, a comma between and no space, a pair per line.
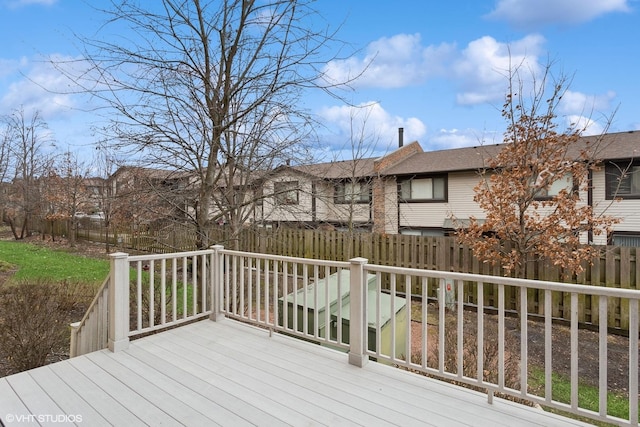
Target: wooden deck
227,373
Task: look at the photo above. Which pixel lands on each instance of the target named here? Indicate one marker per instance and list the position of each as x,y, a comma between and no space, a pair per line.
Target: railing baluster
425,320
378,314
203,283
194,279
327,304
339,311
548,347
524,340
633,361
276,303
316,305
602,353
441,325
163,291
285,297
460,327
185,286
249,275
305,302
574,351
258,282
480,344
392,311
408,311
267,287
139,294
174,289
501,346
152,295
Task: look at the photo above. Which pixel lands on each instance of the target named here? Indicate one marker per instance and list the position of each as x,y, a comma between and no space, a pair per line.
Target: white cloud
483,66
392,62
14,4
456,138
587,125
11,66
531,14
371,124
580,103
42,87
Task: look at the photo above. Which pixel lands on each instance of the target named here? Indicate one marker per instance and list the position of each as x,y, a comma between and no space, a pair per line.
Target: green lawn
35,262
617,404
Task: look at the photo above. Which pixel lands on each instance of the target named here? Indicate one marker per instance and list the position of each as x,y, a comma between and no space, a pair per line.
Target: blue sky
435,67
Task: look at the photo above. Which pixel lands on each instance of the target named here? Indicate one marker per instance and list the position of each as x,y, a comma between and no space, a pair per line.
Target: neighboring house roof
445,160
150,173
359,168
621,145
615,146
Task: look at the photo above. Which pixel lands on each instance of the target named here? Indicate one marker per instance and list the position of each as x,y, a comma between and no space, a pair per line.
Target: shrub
470,350
34,320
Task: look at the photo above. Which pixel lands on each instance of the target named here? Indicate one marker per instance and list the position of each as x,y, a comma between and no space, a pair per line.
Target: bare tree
29,141
5,155
66,193
356,190
533,191
105,165
211,88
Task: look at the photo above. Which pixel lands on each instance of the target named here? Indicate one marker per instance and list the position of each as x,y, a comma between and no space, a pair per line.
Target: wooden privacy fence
615,267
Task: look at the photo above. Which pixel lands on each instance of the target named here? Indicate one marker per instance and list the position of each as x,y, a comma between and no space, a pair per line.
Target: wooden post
358,327
217,283
119,302
73,344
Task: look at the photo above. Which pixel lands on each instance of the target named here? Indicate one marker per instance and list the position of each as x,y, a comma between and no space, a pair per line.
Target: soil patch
588,350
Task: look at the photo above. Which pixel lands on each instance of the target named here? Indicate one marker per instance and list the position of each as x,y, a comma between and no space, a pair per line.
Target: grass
180,294
588,396
35,263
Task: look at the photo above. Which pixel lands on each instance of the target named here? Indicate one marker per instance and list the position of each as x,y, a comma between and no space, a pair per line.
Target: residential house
336,194
143,195
435,186
348,194
410,191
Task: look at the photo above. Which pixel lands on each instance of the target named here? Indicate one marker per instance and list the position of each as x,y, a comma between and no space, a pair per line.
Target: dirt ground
588,352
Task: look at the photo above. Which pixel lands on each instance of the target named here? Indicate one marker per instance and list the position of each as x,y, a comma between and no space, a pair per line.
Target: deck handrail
357,307
283,295
90,333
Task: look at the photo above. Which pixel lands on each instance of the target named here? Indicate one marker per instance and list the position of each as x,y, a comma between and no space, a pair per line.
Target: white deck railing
356,307
90,333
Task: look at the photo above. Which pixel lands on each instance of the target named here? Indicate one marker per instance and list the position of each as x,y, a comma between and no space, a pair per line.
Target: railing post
73,342
217,283
118,307
358,327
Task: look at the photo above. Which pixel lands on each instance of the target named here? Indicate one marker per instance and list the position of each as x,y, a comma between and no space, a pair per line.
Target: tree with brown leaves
534,192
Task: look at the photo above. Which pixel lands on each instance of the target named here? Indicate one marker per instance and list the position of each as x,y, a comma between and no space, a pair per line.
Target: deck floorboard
230,374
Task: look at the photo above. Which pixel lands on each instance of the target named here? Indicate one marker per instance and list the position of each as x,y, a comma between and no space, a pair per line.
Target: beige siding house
410,191
434,187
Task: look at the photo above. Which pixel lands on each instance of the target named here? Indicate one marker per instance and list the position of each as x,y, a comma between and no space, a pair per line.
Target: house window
286,192
353,192
622,180
424,189
554,188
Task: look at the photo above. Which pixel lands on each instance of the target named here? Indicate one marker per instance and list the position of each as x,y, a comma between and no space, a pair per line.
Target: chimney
400,137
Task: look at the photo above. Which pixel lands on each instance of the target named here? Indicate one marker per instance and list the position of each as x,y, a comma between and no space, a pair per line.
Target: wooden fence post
217,283
119,302
358,327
